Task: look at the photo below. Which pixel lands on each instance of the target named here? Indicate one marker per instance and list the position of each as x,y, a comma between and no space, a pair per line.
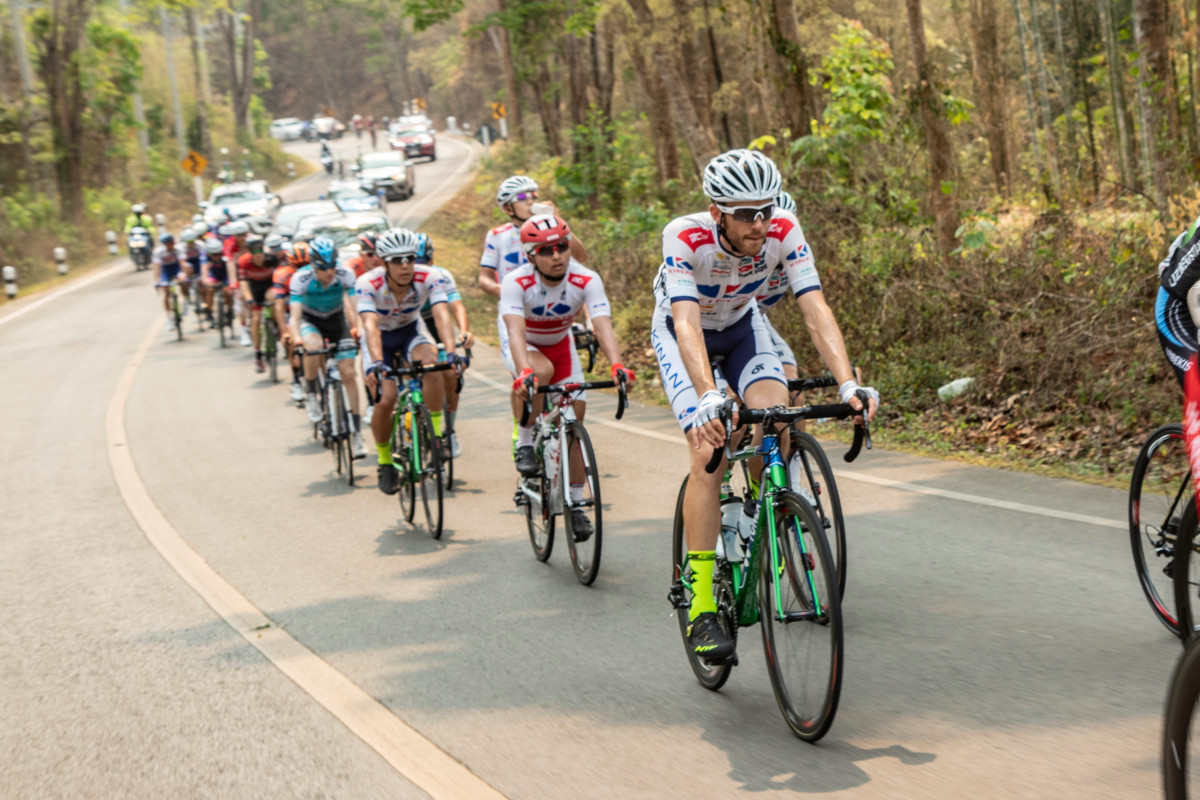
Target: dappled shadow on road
334,485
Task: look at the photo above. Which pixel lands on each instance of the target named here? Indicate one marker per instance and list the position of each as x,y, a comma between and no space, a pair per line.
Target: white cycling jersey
375,296
696,267
502,250
550,310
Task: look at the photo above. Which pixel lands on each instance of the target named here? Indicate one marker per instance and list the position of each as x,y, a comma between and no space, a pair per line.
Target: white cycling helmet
236,228
197,218
138,208
396,242
213,247
272,243
786,202
740,176
511,187
188,235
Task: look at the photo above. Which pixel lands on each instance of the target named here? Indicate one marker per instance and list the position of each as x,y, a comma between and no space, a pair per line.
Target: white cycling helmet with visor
511,189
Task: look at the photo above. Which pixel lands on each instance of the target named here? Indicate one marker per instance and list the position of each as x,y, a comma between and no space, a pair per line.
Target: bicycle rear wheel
176,312
710,676
1186,574
269,349
222,311
448,451
802,619
1183,695
336,422
585,549
538,518
811,475
402,457
431,474
1157,492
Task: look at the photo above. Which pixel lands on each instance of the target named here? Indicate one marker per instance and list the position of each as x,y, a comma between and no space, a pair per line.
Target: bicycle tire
585,555
336,418
1183,694
431,474
176,313
1186,574
540,521
269,349
448,450
402,457
802,543
710,676
221,315
1155,509
825,498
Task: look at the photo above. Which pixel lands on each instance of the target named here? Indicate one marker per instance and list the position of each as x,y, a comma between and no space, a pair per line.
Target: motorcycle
139,248
327,162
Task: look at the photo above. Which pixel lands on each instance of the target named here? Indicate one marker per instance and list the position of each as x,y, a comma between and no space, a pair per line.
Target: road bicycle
224,315
547,494
587,342
269,342
1158,495
336,426
416,452
177,307
448,431
782,574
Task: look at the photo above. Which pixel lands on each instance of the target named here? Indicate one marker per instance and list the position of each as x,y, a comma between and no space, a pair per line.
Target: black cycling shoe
581,526
526,461
707,639
389,478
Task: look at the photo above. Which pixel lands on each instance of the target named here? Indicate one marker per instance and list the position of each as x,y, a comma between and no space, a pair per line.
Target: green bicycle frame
407,402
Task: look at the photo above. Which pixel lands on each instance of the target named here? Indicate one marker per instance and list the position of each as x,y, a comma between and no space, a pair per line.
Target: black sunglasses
748,213
551,249
402,259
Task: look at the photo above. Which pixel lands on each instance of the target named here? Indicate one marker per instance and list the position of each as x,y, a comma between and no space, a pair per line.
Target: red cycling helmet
367,239
543,229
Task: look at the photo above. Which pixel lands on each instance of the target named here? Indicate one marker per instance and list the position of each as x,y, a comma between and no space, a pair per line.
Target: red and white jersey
502,250
550,310
697,268
375,296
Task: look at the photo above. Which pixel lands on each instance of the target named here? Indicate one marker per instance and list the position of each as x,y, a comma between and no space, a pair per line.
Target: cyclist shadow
407,539
331,486
838,768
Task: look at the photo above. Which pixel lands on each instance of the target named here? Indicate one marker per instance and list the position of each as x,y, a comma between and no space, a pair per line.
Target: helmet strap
546,278
725,237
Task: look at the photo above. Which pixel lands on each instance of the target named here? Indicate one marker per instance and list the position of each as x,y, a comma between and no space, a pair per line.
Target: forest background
987,185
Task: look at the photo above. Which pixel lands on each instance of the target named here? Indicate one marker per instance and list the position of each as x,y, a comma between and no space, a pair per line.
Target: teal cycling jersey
319,300
452,292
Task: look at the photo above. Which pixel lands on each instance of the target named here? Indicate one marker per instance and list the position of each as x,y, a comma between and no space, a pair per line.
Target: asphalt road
990,652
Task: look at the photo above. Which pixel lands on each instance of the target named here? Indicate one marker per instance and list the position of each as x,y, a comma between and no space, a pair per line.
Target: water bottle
550,454
746,522
728,544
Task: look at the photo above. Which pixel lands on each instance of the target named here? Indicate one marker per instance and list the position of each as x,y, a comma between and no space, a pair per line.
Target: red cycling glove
630,377
525,373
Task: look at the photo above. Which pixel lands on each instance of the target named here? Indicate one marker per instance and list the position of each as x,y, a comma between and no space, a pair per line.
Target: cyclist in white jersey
389,302
538,303
714,264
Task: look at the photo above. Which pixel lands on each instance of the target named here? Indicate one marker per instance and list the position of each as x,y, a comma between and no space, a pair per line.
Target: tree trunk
198,82
1077,61
1071,162
797,97
547,107
658,108
59,66
988,77
511,90
1027,79
698,135
1156,84
1044,87
1117,85
700,91
937,138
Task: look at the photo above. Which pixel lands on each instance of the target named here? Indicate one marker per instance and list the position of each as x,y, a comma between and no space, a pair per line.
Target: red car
415,141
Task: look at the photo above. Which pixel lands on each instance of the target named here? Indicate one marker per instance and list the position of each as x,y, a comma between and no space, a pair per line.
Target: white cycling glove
847,390
709,408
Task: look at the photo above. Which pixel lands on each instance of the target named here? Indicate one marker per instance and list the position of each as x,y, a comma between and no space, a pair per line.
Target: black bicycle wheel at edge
177,313
270,351
402,456
585,552
1186,574
1183,696
802,624
221,317
1157,492
538,518
447,451
815,477
710,676
336,420
431,474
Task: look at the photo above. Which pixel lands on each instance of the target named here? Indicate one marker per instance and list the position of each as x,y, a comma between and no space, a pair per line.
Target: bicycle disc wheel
538,518
402,456
585,549
802,620
1157,492
431,474
1180,717
811,475
710,676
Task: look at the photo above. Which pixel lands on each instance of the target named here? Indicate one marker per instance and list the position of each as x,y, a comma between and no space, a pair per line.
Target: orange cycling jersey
357,265
283,280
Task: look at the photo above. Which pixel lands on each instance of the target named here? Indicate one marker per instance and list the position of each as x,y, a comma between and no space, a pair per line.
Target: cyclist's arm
827,338
516,342
351,312
488,282
294,321
602,327
445,325
459,309
578,251
1193,303
686,315
370,322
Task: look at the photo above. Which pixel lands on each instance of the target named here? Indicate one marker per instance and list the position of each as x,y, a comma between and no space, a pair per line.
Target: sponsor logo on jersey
1184,263
581,281
780,227
526,282
695,238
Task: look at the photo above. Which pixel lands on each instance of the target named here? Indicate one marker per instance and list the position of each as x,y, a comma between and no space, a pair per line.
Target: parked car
292,215
286,129
415,141
250,200
351,196
389,171
328,127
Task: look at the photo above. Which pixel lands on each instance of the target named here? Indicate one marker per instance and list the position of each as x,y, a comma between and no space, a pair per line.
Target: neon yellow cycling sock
385,452
701,563
436,418
515,425
753,486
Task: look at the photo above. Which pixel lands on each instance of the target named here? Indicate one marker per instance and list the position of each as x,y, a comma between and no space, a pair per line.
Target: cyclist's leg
1176,332
346,360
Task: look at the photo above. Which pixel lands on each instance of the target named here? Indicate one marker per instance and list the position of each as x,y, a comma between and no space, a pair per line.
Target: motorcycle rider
138,218
326,157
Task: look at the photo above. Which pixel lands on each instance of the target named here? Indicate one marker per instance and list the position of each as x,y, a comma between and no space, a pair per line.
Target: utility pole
180,138
139,110
18,25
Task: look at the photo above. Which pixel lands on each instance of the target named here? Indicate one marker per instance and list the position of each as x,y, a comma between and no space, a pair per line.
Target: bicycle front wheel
1157,495
710,676
177,312
1186,574
269,351
430,476
221,313
812,477
1180,718
341,450
582,518
802,619
402,457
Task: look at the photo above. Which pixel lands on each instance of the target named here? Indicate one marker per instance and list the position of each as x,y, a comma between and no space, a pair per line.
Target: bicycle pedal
731,660
520,498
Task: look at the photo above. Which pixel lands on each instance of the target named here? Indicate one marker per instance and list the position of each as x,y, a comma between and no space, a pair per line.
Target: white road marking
57,293
419,760
862,477
465,164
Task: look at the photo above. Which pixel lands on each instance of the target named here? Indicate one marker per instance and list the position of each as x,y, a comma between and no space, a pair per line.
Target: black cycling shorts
1176,331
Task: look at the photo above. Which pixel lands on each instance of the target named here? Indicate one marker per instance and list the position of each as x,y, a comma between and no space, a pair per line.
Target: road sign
420,101
195,163
498,110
